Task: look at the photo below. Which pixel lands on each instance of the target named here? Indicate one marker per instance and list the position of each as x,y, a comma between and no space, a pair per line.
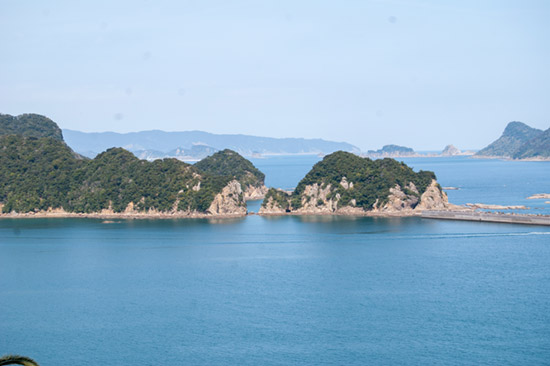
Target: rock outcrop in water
450,150
343,183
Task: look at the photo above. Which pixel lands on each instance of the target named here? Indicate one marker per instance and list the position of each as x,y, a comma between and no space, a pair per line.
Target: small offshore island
346,184
41,176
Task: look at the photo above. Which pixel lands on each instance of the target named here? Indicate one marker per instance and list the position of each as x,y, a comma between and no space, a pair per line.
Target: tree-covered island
344,183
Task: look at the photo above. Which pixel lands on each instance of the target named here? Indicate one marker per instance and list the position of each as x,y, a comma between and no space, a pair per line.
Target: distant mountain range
196,144
519,141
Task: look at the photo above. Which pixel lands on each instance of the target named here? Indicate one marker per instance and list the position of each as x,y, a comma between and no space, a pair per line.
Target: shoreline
350,214
456,215
111,216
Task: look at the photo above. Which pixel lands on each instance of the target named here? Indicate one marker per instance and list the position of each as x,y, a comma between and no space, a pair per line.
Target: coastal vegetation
116,178
36,174
42,174
344,179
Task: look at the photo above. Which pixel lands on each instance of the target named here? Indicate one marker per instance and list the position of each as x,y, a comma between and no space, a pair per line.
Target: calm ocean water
287,290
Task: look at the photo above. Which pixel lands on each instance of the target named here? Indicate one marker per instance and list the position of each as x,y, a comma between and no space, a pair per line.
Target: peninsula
41,175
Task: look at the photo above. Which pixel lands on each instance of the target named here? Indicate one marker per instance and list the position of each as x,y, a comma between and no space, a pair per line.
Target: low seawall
488,217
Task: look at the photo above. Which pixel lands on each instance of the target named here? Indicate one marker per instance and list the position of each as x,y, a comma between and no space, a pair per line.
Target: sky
417,73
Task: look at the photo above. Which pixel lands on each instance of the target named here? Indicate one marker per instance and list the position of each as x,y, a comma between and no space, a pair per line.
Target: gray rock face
229,201
254,193
399,200
433,199
318,200
315,200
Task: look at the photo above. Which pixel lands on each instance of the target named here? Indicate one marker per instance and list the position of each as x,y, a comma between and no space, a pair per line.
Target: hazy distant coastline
195,145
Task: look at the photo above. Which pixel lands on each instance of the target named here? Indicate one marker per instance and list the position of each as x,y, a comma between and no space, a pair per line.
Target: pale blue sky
417,73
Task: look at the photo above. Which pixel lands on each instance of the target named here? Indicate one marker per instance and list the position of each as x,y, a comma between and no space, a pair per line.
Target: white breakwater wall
488,217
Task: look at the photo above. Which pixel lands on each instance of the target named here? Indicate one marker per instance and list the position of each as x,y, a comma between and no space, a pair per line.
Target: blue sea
287,290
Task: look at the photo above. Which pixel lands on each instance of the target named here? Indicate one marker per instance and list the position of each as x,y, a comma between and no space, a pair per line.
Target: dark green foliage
372,179
29,125
231,164
36,174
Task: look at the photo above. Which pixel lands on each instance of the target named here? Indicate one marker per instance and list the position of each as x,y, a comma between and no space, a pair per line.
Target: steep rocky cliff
229,201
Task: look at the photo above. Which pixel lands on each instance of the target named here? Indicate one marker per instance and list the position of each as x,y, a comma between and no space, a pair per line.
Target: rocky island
391,151
346,184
